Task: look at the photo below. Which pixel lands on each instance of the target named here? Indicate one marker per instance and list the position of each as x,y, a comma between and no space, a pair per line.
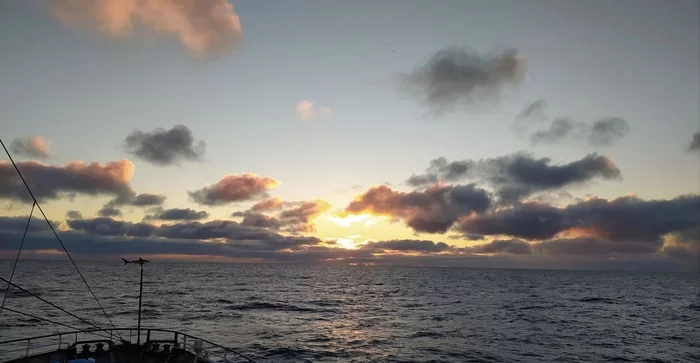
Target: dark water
290,313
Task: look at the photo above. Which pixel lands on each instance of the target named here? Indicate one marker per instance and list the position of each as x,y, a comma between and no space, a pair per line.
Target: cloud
109,211
625,219
131,199
512,246
177,214
457,76
74,214
593,247
535,110
268,204
299,217
233,188
408,245
165,147
204,27
107,237
139,200
105,226
432,210
35,147
607,131
519,175
54,182
695,142
252,218
306,110
293,217
442,170
604,132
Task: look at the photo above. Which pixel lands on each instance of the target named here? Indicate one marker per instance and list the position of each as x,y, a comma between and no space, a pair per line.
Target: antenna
140,261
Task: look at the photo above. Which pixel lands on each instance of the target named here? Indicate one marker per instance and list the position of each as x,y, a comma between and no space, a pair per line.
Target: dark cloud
456,76
298,218
109,211
592,247
431,210
54,182
535,110
268,204
74,214
234,188
165,147
442,170
34,147
607,131
37,224
132,199
107,237
519,175
252,218
105,226
695,142
512,246
626,219
140,200
604,132
408,245
177,214
293,217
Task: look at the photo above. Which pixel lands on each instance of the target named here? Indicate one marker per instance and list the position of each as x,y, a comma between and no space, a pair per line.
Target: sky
535,134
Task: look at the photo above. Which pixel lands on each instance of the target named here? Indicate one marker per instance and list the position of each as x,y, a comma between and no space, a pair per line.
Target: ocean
298,313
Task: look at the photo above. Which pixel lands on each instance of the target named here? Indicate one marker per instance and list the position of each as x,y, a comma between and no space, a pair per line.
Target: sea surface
297,313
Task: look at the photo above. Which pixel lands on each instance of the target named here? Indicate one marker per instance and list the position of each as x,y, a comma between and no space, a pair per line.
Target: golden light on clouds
349,220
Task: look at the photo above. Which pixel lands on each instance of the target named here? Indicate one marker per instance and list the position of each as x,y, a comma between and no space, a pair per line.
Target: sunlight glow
350,219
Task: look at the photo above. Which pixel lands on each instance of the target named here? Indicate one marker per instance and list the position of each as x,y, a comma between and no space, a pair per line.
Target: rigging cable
14,267
52,321
52,304
56,235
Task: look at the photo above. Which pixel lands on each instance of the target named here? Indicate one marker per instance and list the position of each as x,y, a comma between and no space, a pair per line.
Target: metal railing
210,351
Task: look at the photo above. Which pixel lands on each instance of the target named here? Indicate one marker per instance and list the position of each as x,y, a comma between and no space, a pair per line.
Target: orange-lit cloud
306,110
202,26
434,209
268,204
234,188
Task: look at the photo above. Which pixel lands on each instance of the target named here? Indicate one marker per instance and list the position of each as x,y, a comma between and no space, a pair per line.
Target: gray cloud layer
53,182
456,76
177,214
626,219
165,147
604,132
517,176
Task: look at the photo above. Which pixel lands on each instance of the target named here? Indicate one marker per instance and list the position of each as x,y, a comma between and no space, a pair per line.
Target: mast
140,261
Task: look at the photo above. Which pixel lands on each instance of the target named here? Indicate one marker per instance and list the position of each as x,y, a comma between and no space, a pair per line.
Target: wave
270,306
427,334
598,300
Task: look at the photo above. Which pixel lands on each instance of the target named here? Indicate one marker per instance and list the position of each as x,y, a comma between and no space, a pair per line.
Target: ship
100,344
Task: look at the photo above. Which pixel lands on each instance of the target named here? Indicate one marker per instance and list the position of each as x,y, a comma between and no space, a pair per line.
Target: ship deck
125,345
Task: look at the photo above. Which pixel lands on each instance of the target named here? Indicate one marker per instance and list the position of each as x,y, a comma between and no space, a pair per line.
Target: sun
347,243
